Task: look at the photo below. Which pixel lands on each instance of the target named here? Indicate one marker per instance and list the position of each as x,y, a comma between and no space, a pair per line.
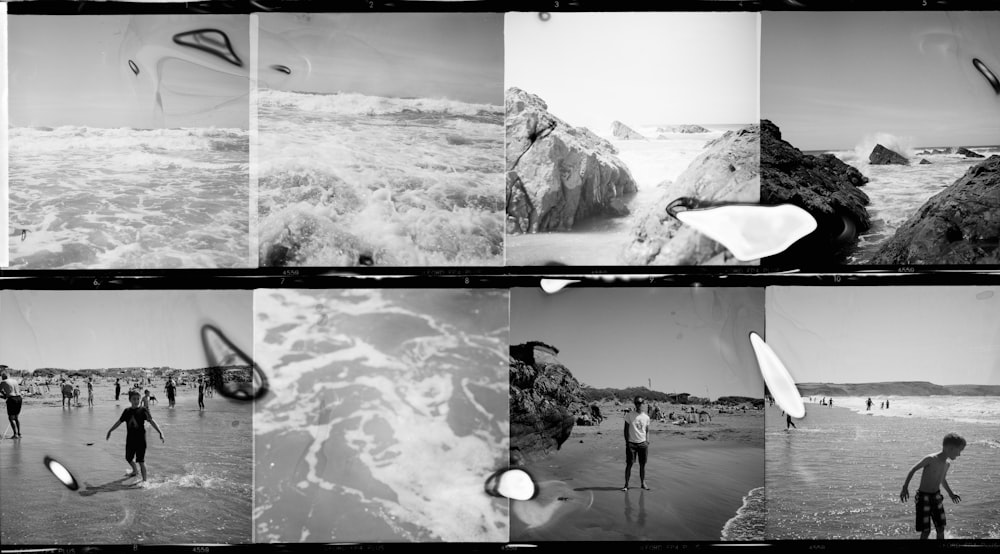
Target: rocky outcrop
726,171
967,153
544,396
624,132
883,156
557,175
682,129
958,226
825,187
924,162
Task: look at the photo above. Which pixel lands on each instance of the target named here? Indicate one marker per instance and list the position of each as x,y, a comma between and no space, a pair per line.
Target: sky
946,335
458,56
685,339
99,329
638,68
828,79
74,70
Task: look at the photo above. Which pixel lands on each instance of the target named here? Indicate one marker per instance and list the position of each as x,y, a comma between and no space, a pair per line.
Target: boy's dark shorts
636,449
13,405
135,448
930,507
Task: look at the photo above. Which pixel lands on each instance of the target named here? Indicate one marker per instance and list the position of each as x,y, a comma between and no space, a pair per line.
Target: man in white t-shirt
636,441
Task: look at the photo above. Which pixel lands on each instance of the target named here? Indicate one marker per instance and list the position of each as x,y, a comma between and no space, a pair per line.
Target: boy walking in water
636,441
135,419
930,503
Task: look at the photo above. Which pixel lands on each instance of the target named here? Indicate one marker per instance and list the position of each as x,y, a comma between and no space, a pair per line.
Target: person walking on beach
789,422
90,393
118,388
886,403
76,395
930,502
201,395
67,393
170,388
10,393
145,400
869,404
135,419
636,441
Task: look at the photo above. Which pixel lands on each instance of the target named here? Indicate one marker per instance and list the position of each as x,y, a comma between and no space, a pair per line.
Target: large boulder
544,396
967,153
726,171
557,174
923,161
825,187
883,156
682,129
958,226
624,132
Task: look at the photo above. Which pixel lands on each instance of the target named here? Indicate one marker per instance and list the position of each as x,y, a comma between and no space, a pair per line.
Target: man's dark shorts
136,447
636,449
930,506
13,405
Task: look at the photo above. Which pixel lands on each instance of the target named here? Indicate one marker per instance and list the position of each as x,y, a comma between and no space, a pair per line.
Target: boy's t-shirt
135,421
638,423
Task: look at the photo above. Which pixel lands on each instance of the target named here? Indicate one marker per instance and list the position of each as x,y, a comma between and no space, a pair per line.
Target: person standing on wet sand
9,392
636,441
170,388
201,395
90,393
118,389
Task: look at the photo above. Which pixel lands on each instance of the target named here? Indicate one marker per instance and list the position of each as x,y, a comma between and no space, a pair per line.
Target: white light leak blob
61,473
553,286
751,232
779,382
516,485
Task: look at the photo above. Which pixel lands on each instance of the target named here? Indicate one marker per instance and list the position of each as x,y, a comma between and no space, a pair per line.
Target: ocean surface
898,191
348,179
602,241
200,479
838,475
388,412
128,198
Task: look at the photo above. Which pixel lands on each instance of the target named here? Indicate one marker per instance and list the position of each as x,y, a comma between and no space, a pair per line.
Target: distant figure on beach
595,410
930,502
636,441
67,394
76,395
10,393
789,422
201,399
90,393
869,404
135,419
144,403
118,389
170,388
881,405
830,403
886,403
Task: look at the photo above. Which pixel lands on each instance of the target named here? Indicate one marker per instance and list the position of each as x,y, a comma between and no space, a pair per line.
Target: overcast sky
73,70
458,56
942,334
828,79
98,329
684,339
637,68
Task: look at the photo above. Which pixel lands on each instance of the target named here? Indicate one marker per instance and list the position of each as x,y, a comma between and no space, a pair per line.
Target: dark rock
728,170
557,174
958,226
883,156
825,187
967,153
544,395
682,129
624,132
924,162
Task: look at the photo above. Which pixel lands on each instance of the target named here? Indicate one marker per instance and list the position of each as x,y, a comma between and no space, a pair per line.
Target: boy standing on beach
636,441
135,419
10,393
930,503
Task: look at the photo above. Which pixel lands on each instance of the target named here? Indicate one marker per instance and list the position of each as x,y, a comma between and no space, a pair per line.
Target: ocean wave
750,521
26,140
360,104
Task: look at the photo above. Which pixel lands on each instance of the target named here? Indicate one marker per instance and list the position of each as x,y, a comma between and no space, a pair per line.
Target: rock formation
682,129
624,132
544,396
557,174
924,162
825,187
883,156
967,153
726,171
958,226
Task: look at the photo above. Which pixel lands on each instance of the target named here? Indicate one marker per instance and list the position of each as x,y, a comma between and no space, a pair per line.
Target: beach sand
699,476
199,488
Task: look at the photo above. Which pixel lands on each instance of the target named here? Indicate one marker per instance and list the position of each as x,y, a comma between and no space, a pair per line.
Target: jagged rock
624,132
825,187
544,396
958,226
682,129
924,162
967,153
726,170
557,175
883,156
